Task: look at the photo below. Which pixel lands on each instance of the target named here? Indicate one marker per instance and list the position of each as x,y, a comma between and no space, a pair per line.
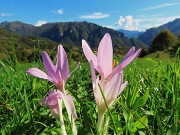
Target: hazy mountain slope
19,28
131,34
148,36
138,43
69,33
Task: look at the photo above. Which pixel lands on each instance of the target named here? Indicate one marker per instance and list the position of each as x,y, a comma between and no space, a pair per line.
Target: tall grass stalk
109,112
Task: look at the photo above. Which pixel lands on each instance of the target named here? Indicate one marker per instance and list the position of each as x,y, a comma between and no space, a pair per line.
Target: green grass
150,104
160,55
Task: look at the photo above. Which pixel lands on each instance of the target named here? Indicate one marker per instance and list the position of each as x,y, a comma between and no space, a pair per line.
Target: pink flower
52,101
58,73
104,59
112,88
111,80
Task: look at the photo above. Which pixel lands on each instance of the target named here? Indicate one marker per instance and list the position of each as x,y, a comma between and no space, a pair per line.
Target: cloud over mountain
128,23
40,22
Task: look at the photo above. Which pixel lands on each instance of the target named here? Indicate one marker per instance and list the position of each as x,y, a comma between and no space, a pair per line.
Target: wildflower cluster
107,85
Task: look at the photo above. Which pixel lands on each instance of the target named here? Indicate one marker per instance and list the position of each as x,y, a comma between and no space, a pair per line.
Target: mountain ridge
131,34
148,36
71,33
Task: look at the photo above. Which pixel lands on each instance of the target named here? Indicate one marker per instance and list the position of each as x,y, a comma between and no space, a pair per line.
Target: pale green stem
108,109
100,122
61,117
106,127
74,130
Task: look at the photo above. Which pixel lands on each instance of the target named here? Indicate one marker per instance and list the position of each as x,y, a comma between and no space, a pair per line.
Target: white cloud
95,15
128,23
40,22
5,14
161,6
58,11
143,22
152,22
159,19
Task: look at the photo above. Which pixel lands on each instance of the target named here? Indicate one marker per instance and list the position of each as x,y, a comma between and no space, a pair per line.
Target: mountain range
149,35
25,37
131,34
72,33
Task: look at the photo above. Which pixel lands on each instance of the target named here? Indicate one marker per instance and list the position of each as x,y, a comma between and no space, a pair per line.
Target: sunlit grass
150,104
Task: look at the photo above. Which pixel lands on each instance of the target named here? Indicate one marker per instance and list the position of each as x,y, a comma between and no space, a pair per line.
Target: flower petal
49,66
122,87
72,107
38,73
105,55
43,102
54,111
78,65
130,56
62,63
130,52
52,101
115,71
126,61
88,53
52,98
114,84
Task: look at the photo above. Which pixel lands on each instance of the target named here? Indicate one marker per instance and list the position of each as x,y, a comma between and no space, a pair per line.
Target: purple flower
112,88
52,101
58,73
104,59
111,80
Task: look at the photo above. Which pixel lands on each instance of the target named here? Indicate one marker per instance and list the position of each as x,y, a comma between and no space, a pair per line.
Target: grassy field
149,105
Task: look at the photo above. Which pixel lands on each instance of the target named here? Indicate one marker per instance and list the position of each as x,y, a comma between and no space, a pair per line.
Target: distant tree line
163,41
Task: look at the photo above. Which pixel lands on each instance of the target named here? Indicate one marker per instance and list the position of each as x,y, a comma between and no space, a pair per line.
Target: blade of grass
108,109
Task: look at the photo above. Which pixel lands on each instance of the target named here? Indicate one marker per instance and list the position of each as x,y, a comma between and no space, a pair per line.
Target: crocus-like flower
112,88
111,80
52,101
58,73
104,59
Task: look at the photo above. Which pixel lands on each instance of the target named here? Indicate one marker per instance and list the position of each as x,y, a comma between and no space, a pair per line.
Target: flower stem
100,122
74,130
105,127
61,117
108,109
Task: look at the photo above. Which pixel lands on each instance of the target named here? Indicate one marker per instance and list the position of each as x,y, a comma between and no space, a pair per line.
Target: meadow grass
150,104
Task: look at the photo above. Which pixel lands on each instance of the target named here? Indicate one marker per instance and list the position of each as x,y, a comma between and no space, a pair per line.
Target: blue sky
126,14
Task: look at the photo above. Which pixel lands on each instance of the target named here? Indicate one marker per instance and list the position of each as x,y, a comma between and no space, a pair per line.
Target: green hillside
24,47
